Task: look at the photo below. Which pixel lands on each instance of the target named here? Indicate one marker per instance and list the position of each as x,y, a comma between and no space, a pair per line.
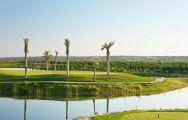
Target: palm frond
104,46
56,52
96,64
26,41
107,46
110,44
47,56
67,42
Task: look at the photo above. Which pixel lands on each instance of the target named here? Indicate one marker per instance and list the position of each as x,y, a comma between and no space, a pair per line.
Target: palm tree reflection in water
107,109
67,105
25,109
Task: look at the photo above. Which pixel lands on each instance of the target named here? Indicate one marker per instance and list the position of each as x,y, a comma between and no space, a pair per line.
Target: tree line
131,67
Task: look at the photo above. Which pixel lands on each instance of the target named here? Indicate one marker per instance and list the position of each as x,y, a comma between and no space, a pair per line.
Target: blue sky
139,27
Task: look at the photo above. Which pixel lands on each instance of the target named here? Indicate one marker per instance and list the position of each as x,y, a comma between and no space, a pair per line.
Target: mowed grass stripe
9,75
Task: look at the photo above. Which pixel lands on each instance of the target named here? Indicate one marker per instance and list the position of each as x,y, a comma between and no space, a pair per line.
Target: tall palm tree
67,45
47,56
107,47
26,51
56,55
95,66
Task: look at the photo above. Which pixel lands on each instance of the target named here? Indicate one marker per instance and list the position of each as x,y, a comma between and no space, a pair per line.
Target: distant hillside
113,58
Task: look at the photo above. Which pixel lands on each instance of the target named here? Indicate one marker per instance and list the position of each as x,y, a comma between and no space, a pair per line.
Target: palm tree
67,45
26,51
47,57
56,55
107,47
95,66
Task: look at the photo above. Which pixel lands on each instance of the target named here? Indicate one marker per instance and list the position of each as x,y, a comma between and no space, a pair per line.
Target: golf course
80,86
94,60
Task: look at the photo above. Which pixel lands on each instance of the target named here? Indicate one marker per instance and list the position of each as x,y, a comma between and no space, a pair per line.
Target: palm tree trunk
108,64
67,65
26,65
94,76
47,66
55,63
25,109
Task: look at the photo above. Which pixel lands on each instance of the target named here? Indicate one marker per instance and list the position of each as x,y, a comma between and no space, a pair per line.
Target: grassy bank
58,91
76,91
146,115
15,75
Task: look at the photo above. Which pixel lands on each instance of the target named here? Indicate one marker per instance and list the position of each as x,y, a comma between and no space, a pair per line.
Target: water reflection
94,110
107,108
25,109
25,102
67,106
58,109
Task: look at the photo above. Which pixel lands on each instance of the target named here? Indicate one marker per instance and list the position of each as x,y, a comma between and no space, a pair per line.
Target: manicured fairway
154,116
16,75
145,116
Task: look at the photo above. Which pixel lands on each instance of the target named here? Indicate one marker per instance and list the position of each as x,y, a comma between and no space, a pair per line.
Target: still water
13,109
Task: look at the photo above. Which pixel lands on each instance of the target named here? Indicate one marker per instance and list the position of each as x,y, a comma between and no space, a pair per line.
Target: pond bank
78,102
76,91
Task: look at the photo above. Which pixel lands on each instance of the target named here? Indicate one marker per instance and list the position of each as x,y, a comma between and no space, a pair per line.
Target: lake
28,109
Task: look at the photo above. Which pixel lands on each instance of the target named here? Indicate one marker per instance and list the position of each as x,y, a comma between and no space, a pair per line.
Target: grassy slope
146,115
88,91
8,75
143,89
168,85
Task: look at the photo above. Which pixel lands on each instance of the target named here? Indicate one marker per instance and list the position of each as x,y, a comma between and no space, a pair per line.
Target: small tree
47,56
95,66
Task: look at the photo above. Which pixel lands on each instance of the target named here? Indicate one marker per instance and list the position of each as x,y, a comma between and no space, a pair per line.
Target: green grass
10,75
146,115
